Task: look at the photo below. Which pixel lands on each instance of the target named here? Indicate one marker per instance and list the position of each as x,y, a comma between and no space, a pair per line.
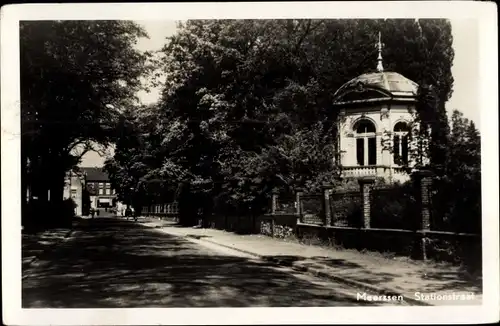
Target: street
114,263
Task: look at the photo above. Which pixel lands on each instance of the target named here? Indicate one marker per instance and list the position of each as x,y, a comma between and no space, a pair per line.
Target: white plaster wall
401,177
93,202
384,125
347,139
74,183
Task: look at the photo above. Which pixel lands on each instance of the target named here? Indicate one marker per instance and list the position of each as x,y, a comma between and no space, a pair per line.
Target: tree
434,45
464,175
134,158
247,104
75,77
456,197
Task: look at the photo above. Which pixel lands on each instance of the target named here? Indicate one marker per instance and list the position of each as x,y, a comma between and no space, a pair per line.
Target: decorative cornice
378,100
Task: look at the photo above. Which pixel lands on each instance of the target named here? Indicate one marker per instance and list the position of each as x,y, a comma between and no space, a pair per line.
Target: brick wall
441,246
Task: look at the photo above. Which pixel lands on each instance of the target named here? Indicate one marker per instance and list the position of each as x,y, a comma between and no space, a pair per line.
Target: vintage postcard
308,161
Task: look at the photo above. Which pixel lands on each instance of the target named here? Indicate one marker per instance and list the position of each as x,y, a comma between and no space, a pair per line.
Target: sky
465,69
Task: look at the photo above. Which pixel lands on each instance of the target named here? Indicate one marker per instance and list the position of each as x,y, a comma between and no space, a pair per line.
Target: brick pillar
365,185
327,219
274,206
423,182
273,209
298,195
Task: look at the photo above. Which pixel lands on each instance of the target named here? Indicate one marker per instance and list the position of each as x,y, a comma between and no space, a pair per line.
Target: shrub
347,209
395,207
68,208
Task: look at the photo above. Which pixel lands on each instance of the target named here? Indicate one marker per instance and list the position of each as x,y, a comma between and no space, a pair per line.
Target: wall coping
423,232
423,173
346,192
280,214
367,179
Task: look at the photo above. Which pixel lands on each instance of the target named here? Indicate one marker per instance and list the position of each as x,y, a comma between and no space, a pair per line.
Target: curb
46,250
318,273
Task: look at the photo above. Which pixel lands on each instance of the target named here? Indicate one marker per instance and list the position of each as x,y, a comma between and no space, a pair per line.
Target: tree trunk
24,187
36,209
187,207
62,213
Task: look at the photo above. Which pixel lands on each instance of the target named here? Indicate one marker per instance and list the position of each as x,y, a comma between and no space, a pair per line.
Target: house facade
102,195
74,188
375,117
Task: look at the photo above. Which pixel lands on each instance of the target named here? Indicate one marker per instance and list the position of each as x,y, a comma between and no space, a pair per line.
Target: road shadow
453,279
353,270
118,264
196,236
445,277
433,279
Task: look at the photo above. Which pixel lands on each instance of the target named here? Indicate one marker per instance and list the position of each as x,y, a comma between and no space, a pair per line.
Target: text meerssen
369,297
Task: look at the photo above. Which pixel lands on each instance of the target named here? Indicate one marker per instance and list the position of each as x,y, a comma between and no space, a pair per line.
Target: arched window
366,144
401,131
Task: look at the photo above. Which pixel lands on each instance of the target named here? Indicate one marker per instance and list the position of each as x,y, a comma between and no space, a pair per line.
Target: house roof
390,84
95,174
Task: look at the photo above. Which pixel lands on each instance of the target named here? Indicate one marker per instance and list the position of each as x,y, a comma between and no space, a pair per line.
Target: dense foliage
457,195
456,188
247,104
75,75
246,108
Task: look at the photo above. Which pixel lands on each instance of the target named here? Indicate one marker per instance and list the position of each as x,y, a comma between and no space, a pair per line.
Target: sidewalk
376,274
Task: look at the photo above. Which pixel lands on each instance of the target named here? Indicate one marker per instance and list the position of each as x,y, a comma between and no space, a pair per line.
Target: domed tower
374,124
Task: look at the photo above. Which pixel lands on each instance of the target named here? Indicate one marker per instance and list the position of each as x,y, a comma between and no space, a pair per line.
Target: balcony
358,171
394,173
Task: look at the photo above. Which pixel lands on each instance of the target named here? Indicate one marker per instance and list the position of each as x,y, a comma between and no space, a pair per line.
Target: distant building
99,187
74,188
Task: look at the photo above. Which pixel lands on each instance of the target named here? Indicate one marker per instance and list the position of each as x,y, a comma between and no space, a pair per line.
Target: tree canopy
76,76
458,194
247,104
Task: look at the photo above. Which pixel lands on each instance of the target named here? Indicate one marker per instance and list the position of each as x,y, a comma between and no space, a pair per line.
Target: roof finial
380,67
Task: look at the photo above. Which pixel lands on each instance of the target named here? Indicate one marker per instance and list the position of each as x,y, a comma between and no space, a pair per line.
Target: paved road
112,263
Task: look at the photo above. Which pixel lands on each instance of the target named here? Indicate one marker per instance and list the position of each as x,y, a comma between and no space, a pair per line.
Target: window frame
401,131
368,138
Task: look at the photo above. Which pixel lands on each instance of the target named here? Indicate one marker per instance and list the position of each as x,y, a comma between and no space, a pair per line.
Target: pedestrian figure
92,212
134,214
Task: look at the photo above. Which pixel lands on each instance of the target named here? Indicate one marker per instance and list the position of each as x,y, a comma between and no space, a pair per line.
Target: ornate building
374,123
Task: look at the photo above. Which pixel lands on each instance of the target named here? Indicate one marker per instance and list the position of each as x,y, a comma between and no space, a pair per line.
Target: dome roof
386,84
